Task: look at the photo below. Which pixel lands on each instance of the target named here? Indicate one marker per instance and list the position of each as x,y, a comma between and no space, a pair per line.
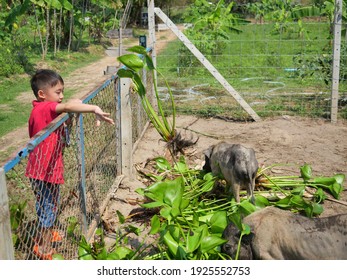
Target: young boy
45,168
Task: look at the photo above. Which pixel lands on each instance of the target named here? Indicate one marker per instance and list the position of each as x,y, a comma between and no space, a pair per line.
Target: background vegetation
68,34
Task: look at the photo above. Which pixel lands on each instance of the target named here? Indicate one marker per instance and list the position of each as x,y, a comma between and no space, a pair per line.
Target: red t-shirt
46,160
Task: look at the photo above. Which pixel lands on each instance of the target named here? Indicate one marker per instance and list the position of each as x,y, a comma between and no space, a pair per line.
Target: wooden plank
336,61
126,128
207,64
6,245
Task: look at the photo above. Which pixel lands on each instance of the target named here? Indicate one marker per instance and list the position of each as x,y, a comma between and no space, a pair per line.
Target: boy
45,167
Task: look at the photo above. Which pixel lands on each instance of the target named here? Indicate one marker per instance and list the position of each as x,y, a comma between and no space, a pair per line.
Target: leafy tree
212,26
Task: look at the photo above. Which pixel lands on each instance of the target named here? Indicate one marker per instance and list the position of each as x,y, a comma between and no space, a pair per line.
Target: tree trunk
55,31
47,30
39,32
71,27
60,27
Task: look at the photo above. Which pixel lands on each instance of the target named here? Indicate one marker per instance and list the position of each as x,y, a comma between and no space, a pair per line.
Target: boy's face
52,94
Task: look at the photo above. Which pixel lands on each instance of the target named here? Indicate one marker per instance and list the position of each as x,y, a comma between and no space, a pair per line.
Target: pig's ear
208,152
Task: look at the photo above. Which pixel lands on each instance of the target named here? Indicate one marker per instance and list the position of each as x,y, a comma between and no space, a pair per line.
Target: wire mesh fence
92,158
283,70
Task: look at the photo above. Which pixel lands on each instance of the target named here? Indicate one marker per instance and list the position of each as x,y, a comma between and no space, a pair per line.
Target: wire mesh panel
278,70
91,161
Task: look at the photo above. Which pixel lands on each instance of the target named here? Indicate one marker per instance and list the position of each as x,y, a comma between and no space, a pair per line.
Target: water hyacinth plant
134,63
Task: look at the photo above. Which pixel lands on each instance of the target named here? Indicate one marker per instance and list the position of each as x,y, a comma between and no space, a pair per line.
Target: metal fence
93,170
277,68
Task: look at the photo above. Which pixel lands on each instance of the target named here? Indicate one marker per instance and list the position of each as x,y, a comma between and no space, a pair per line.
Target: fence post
151,30
82,174
126,128
336,60
151,45
6,244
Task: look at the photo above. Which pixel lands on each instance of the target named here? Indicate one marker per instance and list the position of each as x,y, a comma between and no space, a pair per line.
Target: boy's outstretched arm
78,107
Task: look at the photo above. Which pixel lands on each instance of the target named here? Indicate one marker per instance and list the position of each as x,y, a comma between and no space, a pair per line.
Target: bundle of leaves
191,219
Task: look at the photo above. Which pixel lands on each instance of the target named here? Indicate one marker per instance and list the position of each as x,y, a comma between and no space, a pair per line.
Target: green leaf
299,190
298,201
113,256
149,63
339,178
155,225
125,73
120,217
319,195
284,202
153,204
246,229
336,190
306,172
131,61
138,49
235,218
121,253
317,209
140,88
83,254
210,242
140,191
102,254
165,212
219,222
181,167
169,193
261,201
99,232
162,164
193,241
325,181
184,203
72,224
331,183
247,207
170,243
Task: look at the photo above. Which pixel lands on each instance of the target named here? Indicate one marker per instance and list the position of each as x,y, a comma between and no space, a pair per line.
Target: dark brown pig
282,235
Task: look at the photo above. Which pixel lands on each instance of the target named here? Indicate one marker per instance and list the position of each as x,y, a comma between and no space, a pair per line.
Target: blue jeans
47,201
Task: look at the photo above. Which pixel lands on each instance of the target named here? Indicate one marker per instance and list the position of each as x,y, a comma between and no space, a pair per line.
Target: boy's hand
102,116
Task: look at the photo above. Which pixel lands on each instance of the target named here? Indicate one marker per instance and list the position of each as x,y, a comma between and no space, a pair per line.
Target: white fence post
126,128
336,60
6,244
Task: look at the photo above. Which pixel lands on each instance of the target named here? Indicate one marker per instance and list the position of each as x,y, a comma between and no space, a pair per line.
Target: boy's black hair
44,78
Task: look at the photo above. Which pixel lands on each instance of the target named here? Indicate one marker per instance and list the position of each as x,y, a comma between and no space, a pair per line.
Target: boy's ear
41,94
